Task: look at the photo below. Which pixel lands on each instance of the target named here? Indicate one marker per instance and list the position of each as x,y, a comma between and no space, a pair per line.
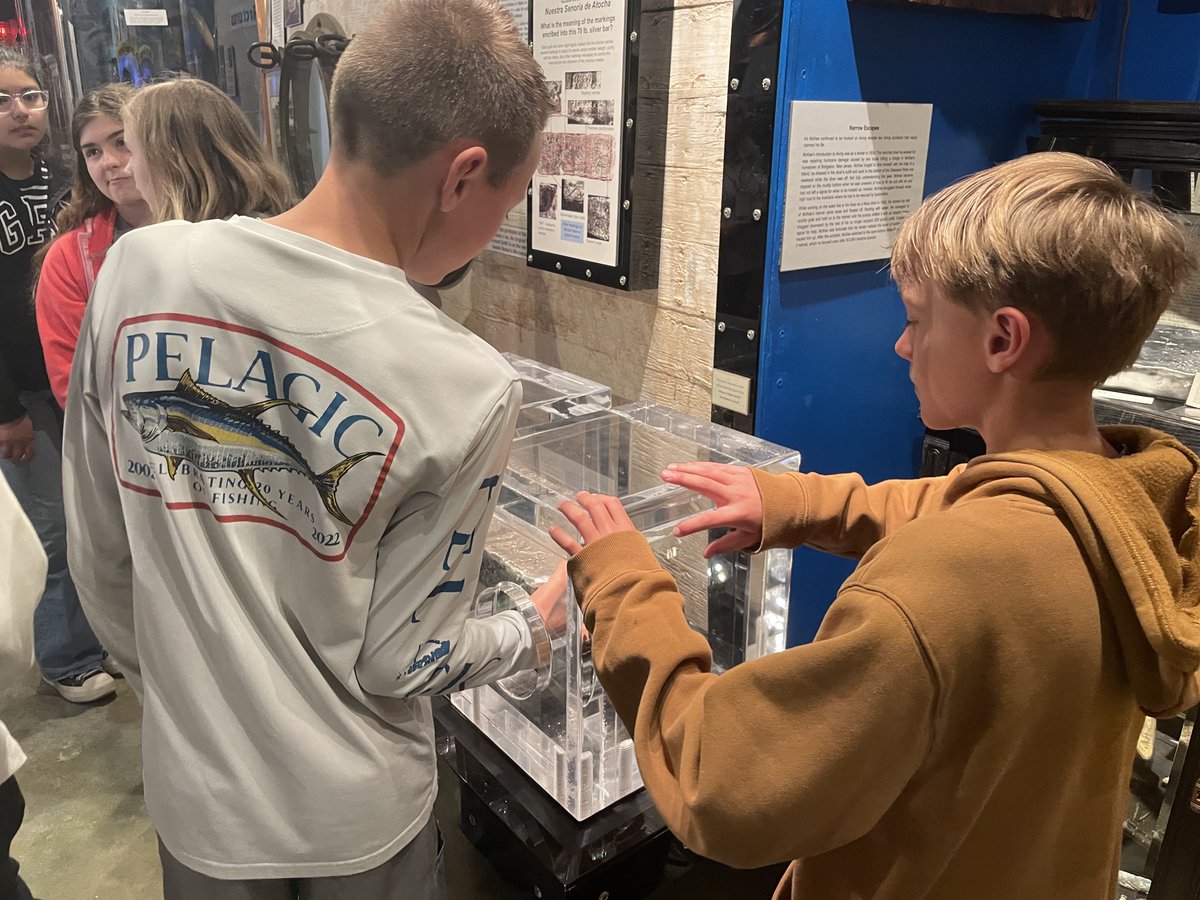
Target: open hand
595,516
739,504
16,440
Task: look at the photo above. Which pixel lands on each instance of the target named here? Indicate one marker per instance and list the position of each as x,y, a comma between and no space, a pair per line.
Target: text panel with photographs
577,192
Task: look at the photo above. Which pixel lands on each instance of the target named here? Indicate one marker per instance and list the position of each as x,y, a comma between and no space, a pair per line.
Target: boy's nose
903,346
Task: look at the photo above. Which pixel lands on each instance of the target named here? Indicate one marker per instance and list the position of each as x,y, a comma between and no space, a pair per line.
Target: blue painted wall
831,385
1162,52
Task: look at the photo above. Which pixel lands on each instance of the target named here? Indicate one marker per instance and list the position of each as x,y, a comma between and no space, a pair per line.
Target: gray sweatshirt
280,466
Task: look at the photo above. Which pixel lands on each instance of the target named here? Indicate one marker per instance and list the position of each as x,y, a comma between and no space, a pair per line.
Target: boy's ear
466,171
1010,339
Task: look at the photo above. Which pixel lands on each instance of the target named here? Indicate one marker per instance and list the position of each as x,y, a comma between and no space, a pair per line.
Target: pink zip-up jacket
66,281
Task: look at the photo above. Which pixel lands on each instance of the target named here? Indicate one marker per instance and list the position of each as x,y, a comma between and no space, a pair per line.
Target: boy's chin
935,422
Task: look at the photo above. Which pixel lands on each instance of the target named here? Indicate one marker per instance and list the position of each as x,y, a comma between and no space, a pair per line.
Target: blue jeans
63,641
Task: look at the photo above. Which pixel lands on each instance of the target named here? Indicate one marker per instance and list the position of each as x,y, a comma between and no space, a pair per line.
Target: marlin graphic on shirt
188,423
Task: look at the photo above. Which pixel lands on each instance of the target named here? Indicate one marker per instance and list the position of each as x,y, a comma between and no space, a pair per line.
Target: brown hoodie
964,723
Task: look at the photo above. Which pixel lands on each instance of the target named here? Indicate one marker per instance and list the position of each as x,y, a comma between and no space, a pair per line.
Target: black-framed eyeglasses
32,100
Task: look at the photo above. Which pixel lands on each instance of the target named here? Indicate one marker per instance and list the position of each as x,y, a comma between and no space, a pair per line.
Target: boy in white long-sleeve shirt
22,577
281,464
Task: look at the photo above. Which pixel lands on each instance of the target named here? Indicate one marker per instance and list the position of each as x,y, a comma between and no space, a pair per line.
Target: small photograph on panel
551,161
572,196
590,112
597,218
572,158
555,96
583,81
599,163
548,201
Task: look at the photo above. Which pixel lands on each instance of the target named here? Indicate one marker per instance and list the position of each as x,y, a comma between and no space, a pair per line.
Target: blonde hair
1057,235
204,160
424,73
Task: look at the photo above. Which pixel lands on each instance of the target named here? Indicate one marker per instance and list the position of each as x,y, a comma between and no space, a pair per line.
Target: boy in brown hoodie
964,723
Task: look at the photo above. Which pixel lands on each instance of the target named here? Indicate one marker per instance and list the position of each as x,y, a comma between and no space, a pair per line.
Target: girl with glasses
67,651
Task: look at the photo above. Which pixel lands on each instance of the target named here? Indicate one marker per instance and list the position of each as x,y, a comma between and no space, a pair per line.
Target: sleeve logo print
289,441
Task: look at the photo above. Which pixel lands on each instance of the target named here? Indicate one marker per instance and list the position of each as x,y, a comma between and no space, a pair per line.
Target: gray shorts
415,873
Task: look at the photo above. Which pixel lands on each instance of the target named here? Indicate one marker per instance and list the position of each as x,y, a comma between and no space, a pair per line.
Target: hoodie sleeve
420,635
787,756
98,549
842,514
61,299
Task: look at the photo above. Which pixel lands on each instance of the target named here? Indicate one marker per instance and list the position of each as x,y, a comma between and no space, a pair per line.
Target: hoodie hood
1135,518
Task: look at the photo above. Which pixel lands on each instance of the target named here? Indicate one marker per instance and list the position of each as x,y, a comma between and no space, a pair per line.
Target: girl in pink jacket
105,203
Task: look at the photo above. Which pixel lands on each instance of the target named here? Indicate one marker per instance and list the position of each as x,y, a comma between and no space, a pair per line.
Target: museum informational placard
579,205
855,172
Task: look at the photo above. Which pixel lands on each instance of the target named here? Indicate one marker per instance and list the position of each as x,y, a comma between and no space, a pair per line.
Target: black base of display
631,875
532,842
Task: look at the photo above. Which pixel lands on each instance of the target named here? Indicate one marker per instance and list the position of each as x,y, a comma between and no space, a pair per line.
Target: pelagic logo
219,417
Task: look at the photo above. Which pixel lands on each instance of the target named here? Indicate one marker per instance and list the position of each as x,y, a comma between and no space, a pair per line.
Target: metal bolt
633,37
603,895
757,214
750,334
625,205
629,123
529,191
537,892
558,266
766,84
529,258
471,819
721,326
587,272
623,280
733,84
727,212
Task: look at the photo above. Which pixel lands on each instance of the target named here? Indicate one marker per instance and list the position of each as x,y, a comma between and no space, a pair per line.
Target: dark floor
86,834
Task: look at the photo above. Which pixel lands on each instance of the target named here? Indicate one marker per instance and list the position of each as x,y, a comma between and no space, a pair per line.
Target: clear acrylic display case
558,726
552,396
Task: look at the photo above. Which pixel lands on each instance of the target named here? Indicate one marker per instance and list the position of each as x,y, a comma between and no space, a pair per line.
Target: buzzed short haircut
1057,235
425,73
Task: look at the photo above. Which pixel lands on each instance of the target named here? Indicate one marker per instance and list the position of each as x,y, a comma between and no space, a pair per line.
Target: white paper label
1193,397
1145,744
511,239
730,391
277,34
145,16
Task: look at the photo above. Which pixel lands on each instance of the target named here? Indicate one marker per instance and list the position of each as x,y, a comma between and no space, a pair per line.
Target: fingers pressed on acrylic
597,510
718,472
580,519
564,540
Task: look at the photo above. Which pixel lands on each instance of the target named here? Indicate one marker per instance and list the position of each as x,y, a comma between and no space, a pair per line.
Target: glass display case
557,725
552,396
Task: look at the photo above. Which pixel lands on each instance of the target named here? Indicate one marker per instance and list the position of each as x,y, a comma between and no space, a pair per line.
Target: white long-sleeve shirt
280,466
22,579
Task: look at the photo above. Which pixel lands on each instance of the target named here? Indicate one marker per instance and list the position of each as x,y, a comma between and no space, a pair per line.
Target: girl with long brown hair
105,204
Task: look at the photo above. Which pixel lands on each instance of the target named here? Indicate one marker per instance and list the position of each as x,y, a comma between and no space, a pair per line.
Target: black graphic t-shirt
26,223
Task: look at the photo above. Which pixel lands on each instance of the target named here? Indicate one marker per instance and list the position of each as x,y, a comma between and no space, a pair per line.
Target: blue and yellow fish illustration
191,424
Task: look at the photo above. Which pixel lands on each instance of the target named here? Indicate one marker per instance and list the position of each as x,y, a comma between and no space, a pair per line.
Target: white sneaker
87,687
110,665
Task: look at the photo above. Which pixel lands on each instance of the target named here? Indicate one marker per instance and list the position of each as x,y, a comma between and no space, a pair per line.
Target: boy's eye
121,143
